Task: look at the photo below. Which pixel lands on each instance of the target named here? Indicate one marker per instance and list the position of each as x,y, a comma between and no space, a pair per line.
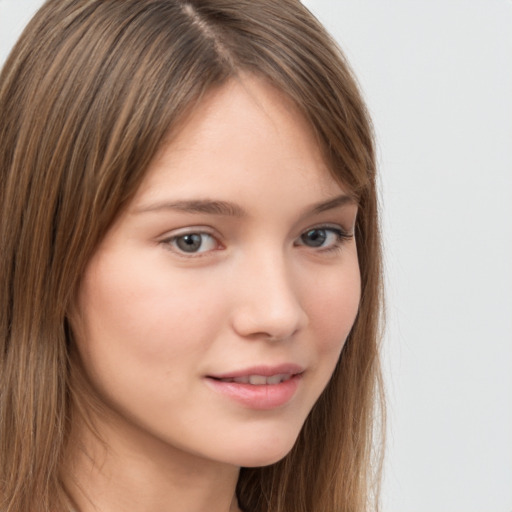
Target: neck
122,468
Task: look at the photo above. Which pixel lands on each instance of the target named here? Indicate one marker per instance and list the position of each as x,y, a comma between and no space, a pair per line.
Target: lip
261,396
264,370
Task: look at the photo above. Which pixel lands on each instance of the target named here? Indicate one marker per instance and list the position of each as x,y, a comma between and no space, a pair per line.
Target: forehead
244,135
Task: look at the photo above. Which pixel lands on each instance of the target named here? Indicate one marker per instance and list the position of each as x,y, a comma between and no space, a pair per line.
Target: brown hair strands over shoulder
87,97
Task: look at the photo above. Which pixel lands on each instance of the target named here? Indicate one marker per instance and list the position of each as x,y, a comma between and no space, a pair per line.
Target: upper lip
263,370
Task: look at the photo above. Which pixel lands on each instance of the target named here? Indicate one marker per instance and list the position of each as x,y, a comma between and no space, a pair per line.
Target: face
213,313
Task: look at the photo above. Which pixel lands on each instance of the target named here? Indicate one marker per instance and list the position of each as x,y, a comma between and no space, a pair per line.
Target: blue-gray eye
314,237
193,243
325,238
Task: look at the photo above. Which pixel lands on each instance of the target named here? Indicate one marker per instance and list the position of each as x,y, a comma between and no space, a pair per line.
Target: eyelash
172,241
341,237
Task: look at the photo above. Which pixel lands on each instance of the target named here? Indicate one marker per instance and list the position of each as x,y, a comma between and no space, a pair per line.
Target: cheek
142,314
333,307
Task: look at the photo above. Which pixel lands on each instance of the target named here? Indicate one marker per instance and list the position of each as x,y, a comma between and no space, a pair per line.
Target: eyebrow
210,206
335,202
226,208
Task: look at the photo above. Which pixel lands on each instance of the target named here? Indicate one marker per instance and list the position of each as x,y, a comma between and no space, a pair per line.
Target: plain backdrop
437,76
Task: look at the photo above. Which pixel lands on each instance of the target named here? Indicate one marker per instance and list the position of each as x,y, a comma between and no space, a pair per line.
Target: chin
263,451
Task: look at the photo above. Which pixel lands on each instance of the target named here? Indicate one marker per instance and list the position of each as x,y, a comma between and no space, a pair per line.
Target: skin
156,321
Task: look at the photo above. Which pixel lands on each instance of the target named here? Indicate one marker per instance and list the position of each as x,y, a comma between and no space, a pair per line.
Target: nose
267,303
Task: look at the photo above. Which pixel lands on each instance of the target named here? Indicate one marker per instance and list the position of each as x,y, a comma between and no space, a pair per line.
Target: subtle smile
261,388
259,380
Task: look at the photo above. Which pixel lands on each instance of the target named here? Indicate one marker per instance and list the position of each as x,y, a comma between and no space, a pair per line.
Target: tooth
257,380
276,379
242,380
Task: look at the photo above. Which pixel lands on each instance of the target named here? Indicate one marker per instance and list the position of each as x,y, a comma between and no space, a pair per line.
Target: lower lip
264,397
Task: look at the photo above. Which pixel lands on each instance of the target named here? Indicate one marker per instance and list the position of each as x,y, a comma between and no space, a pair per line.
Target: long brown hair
87,97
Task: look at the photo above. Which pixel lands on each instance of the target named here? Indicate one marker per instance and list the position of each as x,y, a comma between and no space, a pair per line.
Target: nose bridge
267,301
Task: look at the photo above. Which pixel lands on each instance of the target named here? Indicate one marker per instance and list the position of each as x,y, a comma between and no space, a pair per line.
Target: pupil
189,243
314,237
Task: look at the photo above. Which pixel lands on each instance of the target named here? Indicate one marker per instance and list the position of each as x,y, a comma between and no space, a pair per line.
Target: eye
323,238
192,243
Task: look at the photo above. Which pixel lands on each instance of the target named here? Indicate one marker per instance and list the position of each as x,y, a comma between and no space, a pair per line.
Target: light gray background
437,76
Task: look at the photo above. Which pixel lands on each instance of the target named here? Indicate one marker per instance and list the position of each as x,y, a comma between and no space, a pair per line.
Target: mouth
262,375
258,380
259,388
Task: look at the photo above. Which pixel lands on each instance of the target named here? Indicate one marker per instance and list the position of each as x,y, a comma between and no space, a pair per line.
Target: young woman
190,262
